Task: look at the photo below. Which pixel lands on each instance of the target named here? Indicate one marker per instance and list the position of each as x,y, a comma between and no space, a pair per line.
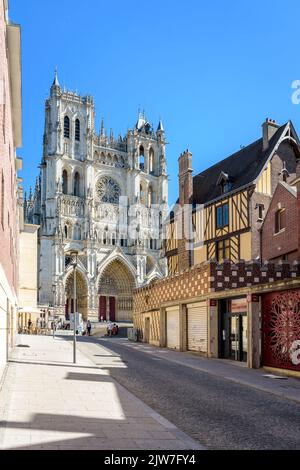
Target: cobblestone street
219,404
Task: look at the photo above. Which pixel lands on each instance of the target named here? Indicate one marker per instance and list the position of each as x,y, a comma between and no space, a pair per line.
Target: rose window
108,190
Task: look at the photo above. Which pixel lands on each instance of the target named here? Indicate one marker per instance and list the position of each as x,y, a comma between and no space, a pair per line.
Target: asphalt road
218,413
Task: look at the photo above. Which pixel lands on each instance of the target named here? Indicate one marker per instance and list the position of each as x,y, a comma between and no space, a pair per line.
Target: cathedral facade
104,198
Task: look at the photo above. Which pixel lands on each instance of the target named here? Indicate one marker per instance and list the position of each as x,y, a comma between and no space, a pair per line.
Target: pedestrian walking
110,328
89,327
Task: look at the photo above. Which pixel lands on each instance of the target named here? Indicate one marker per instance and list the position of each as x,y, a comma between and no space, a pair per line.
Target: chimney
269,129
185,178
185,201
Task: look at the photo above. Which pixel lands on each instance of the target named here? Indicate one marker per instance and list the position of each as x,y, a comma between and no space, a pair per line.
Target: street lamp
53,323
74,254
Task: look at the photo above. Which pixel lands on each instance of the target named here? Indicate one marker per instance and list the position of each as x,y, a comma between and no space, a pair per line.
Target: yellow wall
245,246
200,254
264,182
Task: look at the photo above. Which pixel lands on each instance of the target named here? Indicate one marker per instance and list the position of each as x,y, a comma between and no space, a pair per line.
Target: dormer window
224,182
226,187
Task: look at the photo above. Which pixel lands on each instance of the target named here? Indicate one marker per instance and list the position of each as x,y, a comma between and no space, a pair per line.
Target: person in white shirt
109,328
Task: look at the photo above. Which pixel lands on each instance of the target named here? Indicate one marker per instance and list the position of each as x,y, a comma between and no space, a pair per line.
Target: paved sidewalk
46,402
286,387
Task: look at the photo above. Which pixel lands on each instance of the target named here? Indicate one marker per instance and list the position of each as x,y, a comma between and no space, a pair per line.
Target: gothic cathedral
104,198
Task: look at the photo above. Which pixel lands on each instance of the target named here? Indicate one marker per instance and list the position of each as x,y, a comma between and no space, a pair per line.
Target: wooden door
102,308
112,308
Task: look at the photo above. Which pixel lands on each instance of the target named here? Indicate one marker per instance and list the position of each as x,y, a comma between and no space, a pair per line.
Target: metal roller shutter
197,327
173,338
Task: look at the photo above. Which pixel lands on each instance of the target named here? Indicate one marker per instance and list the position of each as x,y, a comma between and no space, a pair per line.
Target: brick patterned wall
275,246
190,283
210,277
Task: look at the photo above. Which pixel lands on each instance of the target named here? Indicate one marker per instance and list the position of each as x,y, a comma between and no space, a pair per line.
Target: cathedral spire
102,131
141,120
55,81
111,137
160,126
55,88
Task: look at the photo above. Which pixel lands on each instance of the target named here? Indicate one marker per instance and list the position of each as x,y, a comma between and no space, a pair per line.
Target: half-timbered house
229,200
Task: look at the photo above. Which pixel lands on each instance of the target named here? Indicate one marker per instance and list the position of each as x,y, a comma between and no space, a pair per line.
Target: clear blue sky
213,70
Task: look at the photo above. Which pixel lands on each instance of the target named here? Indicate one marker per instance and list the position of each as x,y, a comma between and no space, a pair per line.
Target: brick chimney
269,129
185,199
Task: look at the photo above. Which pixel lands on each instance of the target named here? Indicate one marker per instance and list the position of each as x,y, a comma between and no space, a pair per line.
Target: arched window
150,197
151,160
77,130
67,127
77,184
65,182
77,233
66,231
142,158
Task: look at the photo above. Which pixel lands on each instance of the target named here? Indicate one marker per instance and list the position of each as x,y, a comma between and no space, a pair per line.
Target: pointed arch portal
81,294
115,289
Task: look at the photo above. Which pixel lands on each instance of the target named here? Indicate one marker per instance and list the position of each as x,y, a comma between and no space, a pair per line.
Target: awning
30,310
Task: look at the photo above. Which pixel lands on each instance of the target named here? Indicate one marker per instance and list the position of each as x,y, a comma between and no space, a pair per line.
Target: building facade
103,197
10,139
280,229
233,287
230,199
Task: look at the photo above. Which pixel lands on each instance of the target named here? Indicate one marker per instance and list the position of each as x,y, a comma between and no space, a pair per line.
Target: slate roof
243,167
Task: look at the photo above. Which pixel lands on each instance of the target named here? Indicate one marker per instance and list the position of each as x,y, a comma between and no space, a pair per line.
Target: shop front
233,329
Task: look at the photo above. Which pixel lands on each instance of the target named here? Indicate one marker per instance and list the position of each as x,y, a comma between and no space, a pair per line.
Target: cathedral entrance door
112,309
102,308
116,284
